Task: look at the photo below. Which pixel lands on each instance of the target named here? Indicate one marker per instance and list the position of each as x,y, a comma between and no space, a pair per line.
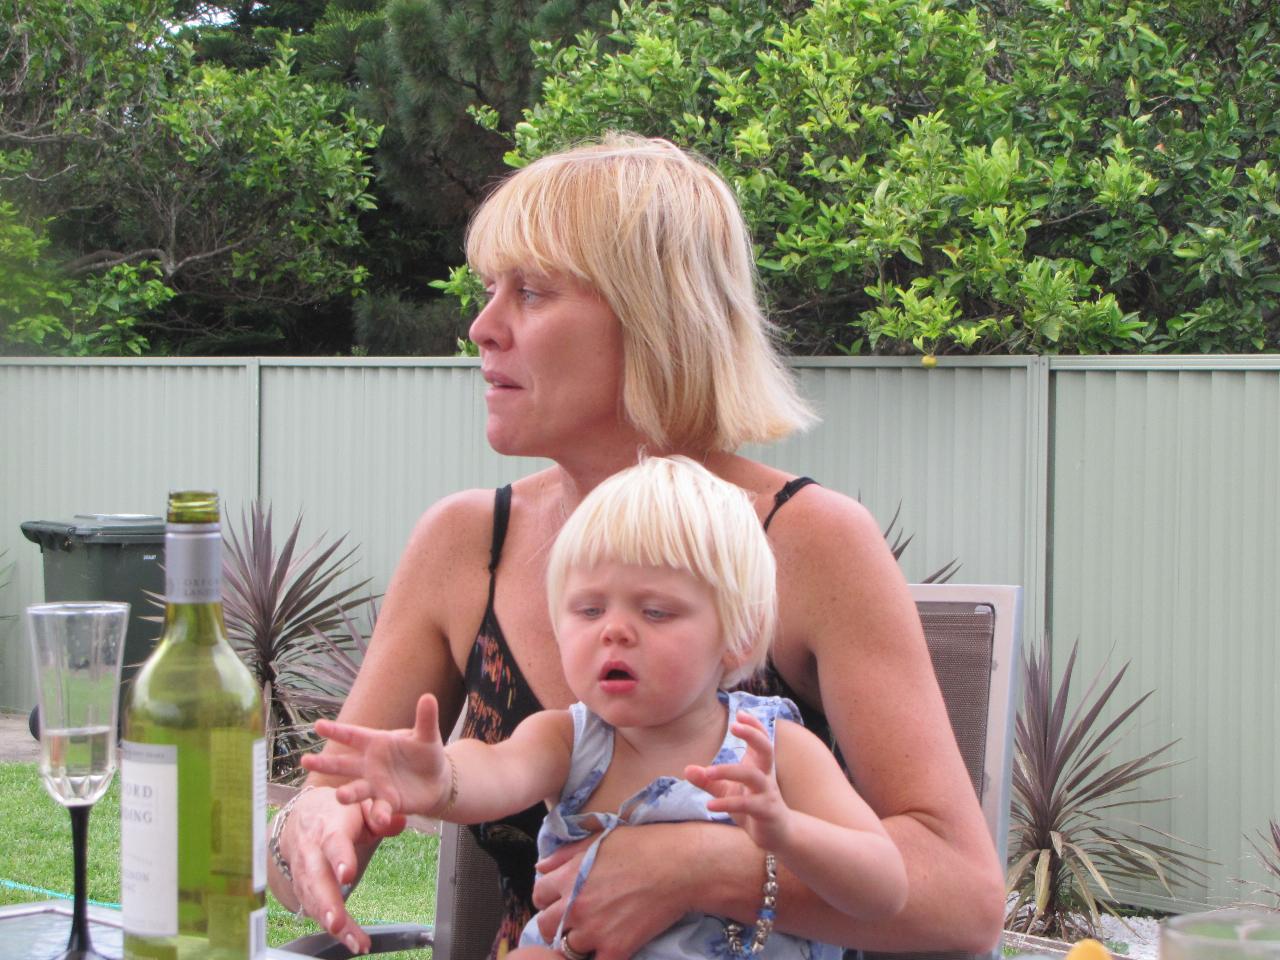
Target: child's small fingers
343,733
343,765
748,775
426,723
354,792
758,744
380,812
753,735
701,778
734,804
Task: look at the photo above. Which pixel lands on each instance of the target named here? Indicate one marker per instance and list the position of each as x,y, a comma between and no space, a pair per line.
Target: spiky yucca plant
283,611
1268,850
1065,857
898,543
327,678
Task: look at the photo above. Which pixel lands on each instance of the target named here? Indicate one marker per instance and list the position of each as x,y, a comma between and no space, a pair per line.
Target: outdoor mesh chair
972,633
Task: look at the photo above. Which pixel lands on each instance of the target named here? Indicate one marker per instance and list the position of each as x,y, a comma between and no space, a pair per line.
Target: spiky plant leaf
1065,779
898,543
1268,850
281,608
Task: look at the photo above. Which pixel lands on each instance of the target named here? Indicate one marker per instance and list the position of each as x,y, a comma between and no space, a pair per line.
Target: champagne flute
77,650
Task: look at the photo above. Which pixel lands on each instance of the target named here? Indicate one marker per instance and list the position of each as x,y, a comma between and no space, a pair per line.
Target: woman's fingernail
328,919
342,873
351,943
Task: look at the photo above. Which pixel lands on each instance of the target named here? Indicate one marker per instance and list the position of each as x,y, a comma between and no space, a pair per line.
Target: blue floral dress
665,800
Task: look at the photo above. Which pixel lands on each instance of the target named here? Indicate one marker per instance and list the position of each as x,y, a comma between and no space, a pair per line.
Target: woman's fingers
552,884
318,872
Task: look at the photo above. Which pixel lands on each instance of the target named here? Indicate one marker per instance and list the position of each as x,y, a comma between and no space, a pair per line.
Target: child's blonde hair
673,512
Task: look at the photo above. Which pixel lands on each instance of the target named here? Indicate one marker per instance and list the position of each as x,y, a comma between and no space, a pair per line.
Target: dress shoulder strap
789,490
501,514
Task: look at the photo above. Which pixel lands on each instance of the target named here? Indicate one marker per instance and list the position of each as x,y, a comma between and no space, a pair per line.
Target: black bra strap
786,493
501,514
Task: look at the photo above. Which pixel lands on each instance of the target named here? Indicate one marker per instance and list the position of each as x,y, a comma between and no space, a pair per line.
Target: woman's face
552,354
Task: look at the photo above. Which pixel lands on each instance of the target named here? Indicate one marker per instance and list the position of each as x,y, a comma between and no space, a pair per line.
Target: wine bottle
193,769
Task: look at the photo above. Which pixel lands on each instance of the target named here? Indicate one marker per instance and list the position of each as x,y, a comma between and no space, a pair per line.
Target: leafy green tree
244,36
949,177
236,191
437,62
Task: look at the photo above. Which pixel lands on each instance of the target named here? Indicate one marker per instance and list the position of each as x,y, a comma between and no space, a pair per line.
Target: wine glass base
82,955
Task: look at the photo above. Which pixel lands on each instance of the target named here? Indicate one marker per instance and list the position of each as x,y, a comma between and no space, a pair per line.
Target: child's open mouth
617,677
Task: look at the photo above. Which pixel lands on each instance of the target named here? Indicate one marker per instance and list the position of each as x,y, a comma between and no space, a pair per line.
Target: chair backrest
468,899
972,632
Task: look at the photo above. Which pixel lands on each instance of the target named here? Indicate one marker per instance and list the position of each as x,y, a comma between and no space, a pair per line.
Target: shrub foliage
993,176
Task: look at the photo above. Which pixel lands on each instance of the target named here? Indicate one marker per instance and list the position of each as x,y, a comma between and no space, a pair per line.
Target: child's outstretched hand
748,791
398,771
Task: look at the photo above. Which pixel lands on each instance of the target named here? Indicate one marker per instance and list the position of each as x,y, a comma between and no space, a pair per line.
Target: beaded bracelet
453,788
764,919
277,828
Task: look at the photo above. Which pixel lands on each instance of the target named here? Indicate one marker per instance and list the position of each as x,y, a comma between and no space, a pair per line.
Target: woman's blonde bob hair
672,512
659,236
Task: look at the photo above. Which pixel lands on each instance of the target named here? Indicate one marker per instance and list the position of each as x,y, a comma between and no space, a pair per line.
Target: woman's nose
489,329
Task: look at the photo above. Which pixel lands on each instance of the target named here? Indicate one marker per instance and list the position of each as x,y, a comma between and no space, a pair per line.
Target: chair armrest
386,937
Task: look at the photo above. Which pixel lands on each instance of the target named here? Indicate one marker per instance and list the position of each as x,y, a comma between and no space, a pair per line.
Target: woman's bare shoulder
460,521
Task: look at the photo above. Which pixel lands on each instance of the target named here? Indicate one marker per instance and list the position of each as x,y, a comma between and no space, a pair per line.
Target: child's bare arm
805,811
411,771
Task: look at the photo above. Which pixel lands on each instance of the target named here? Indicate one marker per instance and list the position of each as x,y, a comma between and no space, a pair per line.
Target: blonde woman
622,317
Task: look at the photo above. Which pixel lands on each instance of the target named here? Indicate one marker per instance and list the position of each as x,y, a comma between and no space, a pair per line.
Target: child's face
641,646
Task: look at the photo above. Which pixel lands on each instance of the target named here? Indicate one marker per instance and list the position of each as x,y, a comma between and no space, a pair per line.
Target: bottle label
192,563
149,838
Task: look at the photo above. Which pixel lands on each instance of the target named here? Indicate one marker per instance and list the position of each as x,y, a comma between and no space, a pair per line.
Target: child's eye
653,613
589,612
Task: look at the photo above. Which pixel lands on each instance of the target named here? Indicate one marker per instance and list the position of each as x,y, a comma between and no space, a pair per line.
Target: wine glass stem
79,843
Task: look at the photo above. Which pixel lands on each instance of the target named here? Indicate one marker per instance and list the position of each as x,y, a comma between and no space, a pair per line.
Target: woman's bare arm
439,582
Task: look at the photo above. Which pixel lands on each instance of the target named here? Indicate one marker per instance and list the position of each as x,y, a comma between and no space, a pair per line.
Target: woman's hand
631,896
326,845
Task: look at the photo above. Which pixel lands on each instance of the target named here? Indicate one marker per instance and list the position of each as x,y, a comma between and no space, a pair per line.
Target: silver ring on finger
572,954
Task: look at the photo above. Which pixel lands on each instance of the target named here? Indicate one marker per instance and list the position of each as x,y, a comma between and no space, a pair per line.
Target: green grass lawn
35,851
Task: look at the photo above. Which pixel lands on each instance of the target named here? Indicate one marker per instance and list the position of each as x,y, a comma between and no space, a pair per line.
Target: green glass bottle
193,769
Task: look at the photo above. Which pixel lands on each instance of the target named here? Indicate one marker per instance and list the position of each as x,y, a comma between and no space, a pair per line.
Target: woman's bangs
535,221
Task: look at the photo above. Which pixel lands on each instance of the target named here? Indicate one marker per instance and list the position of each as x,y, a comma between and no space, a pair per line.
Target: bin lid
95,528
